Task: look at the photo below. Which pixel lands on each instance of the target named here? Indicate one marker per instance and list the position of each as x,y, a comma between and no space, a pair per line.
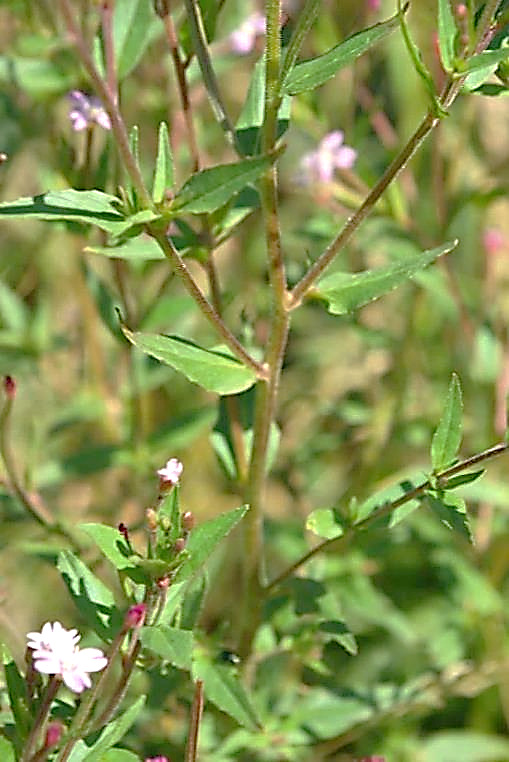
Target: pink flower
55,653
171,472
493,240
243,39
87,110
157,759
135,616
331,154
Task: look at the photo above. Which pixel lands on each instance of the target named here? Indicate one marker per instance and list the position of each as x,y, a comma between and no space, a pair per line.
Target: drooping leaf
313,73
452,511
215,371
205,538
173,645
346,292
446,34
222,686
163,174
447,437
211,188
114,731
93,599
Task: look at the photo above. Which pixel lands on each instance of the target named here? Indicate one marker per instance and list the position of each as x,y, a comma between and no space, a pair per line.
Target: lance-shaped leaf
447,438
222,686
313,73
346,292
211,188
134,26
93,206
446,34
205,538
163,175
114,732
173,645
111,544
216,371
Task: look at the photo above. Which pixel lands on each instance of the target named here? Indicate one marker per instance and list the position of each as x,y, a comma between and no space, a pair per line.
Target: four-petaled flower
243,39
331,154
55,652
87,110
171,472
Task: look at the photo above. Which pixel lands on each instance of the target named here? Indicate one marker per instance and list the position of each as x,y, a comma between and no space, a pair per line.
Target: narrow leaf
447,438
215,371
18,696
111,544
313,73
452,512
211,188
346,292
134,26
114,731
446,34
205,538
93,206
163,175
173,645
223,687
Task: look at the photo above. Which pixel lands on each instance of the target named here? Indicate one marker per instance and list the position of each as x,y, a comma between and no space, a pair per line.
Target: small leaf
205,538
215,371
173,645
346,292
325,522
461,479
134,26
222,686
313,73
446,34
447,438
339,632
452,511
163,175
114,731
110,542
211,188
93,207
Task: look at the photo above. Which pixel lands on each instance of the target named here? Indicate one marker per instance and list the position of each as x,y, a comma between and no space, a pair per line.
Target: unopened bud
180,544
461,11
188,521
163,583
124,531
165,523
10,387
151,517
53,735
135,616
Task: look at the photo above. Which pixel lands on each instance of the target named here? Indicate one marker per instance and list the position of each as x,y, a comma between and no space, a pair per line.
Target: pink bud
188,521
461,11
135,616
10,387
53,735
180,544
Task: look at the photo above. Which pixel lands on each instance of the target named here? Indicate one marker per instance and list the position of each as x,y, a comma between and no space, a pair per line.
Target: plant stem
205,306
267,391
337,543
110,102
191,753
41,718
304,23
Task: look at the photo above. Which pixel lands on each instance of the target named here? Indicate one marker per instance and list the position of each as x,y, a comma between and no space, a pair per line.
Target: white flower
55,653
171,472
331,154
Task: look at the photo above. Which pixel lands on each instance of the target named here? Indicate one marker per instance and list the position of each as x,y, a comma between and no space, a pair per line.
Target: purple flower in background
243,39
86,110
331,154
55,653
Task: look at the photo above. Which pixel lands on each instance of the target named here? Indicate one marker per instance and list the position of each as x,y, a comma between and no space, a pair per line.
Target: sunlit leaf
446,34
163,175
447,438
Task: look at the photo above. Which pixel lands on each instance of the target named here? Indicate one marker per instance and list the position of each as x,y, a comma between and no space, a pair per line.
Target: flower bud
188,521
170,474
180,544
9,387
124,531
151,517
53,734
135,616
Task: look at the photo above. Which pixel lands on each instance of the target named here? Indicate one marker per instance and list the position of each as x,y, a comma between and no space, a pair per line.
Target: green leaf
346,292
452,511
173,645
222,686
464,745
313,73
326,714
114,731
110,542
93,207
213,370
211,188
18,697
118,755
6,751
446,34
487,59
134,26
37,77
461,479
205,538
325,522
339,632
163,175
447,438
93,599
